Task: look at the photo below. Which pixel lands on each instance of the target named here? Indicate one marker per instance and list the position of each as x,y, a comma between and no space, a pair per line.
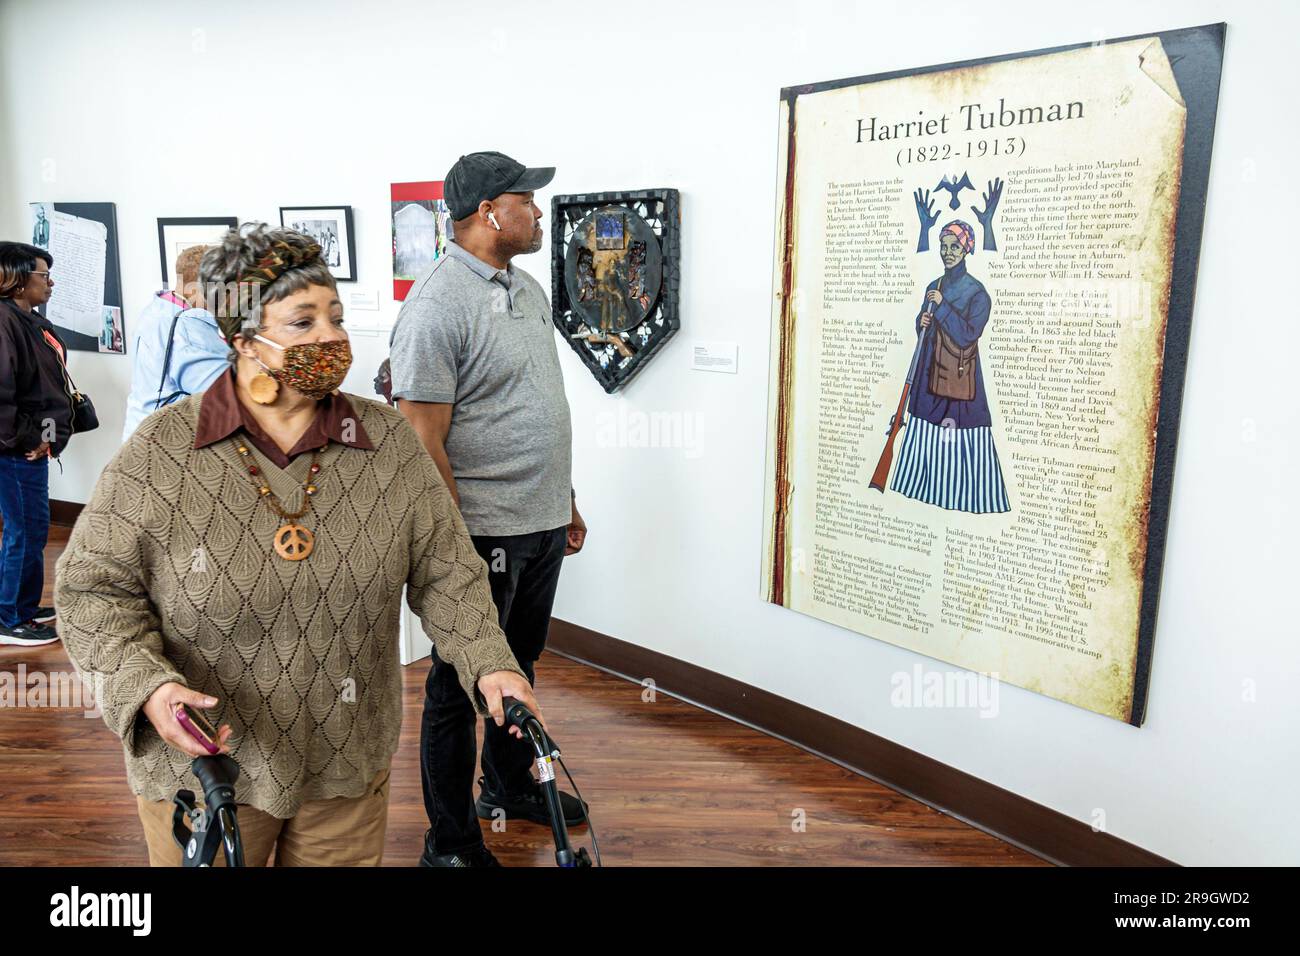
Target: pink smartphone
198,727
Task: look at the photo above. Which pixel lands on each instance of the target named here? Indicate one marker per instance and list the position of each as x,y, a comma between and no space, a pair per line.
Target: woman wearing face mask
246,551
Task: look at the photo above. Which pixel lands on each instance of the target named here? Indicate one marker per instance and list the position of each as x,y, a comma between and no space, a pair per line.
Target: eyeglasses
45,275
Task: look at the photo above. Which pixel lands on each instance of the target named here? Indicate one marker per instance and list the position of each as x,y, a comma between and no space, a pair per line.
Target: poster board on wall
983,287
86,307
420,231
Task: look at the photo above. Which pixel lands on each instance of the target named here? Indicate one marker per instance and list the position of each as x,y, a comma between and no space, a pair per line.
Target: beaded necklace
292,541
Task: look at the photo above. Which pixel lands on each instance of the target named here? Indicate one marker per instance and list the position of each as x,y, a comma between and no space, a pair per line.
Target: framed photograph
177,235
331,227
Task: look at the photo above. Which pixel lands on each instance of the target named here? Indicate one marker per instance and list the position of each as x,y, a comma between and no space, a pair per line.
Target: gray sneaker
28,635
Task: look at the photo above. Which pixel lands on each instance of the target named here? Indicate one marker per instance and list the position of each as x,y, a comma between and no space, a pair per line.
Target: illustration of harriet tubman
948,458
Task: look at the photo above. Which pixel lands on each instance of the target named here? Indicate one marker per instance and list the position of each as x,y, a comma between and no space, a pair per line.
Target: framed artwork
615,274
421,228
86,307
981,307
177,235
331,227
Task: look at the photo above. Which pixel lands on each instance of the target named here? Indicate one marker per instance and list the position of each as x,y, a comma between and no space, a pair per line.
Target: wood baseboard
64,513
1031,826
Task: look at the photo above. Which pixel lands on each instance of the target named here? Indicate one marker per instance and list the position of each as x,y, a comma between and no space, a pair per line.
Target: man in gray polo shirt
476,371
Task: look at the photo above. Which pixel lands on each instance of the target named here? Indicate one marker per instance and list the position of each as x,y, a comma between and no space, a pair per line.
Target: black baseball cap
479,176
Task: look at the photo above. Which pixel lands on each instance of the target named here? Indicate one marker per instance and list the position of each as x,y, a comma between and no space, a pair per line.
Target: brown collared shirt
222,414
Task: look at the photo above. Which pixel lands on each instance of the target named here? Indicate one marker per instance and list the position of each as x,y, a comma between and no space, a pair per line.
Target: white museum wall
186,109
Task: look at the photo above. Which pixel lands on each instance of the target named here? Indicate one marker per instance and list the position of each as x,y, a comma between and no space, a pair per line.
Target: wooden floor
668,784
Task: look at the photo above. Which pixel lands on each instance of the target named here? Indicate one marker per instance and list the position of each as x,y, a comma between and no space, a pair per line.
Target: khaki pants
342,831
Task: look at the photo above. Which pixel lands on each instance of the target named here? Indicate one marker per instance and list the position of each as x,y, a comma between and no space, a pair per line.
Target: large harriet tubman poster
983,289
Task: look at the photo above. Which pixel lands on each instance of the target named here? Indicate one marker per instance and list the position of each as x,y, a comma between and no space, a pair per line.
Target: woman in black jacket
35,425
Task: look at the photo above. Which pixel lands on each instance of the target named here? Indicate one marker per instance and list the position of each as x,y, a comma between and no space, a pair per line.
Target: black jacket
34,389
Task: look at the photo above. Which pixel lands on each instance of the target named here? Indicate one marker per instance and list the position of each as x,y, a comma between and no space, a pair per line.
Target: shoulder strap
167,365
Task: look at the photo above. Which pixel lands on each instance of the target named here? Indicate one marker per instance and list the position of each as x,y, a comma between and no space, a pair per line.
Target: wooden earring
263,388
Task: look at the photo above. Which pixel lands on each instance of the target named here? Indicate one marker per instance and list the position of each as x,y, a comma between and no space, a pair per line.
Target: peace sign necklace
292,541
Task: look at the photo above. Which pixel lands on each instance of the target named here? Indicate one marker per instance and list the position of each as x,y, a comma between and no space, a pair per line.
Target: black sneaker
43,615
28,635
480,856
529,805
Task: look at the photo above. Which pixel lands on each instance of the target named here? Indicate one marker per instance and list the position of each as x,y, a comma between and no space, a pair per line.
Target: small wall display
615,273
421,228
111,337
86,307
177,235
331,227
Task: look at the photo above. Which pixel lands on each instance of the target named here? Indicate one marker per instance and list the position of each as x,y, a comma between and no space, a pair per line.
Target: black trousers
523,571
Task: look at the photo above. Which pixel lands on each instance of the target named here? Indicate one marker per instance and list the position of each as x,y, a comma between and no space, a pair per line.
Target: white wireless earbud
492,218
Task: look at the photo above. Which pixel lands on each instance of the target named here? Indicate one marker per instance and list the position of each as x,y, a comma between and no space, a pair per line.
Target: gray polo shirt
481,339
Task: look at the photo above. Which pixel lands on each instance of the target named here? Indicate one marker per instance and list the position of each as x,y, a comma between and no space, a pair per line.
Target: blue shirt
198,357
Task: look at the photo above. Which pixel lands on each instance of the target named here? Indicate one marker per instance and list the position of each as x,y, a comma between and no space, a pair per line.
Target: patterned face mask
315,369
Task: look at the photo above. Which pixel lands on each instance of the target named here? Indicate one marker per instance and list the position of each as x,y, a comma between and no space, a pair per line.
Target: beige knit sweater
170,575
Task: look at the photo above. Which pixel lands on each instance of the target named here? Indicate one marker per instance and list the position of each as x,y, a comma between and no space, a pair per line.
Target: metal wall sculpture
615,274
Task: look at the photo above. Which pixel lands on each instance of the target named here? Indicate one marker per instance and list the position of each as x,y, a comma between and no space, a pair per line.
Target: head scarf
279,259
964,233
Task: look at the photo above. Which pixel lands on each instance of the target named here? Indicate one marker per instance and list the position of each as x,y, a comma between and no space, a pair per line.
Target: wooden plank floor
669,785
